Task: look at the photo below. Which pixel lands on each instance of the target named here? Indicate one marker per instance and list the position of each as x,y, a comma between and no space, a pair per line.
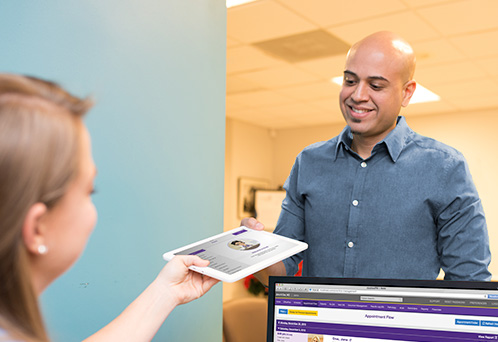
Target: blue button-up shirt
408,210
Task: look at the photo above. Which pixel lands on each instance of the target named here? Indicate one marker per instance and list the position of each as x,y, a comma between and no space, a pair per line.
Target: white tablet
239,252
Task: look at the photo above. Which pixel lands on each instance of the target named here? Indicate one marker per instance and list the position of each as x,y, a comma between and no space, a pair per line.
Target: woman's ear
33,231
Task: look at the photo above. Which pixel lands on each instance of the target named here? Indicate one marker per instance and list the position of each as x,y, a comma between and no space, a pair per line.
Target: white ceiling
456,43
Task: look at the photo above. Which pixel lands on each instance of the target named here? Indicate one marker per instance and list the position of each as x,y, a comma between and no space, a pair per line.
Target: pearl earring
42,249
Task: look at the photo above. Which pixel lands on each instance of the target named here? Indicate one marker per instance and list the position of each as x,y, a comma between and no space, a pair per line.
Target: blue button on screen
282,311
489,323
467,322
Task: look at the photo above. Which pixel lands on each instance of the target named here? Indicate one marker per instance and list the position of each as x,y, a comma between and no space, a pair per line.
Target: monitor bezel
415,283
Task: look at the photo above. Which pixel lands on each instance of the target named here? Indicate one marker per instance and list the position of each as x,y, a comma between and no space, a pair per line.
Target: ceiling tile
248,114
259,98
424,3
478,45
305,46
435,52
264,20
489,65
453,60
330,105
457,90
462,16
231,105
478,102
247,58
447,73
330,13
236,84
279,77
427,108
295,109
312,91
325,68
232,43
262,118
402,23
281,124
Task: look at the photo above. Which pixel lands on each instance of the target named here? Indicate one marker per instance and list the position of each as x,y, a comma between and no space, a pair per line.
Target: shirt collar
395,140
344,141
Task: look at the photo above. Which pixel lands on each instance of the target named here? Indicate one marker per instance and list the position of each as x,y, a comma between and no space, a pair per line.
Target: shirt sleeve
463,242
291,219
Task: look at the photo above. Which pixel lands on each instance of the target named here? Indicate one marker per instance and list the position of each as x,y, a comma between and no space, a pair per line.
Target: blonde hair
40,127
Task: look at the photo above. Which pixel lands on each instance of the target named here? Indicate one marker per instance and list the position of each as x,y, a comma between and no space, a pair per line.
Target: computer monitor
305,309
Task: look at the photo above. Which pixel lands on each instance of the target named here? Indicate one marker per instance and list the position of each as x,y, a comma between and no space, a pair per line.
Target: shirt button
350,244
363,164
355,203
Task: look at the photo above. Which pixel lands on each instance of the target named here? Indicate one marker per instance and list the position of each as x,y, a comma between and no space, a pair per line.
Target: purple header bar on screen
452,310
401,334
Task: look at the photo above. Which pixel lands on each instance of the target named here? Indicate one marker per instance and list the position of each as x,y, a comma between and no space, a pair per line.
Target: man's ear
409,89
33,232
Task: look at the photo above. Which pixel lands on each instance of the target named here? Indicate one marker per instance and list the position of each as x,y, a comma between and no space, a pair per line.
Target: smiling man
377,83
379,200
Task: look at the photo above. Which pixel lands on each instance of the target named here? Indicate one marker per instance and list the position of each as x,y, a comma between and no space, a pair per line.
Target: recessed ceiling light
233,3
421,94
337,80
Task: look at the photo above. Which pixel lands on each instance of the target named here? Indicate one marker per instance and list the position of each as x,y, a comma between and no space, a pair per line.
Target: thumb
193,260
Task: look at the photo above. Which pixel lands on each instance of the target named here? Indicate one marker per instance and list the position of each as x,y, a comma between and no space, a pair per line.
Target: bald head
393,48
377,83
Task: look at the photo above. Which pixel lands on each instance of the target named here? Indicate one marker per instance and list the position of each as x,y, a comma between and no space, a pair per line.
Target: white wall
248,153
251,151
289,142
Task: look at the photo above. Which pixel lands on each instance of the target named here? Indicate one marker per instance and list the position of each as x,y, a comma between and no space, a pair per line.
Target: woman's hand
174,285
182,283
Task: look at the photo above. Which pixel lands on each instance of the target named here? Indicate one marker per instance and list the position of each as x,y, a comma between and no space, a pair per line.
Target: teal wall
157,71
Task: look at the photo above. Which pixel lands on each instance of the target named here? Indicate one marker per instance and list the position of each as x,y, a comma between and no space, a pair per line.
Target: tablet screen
242,248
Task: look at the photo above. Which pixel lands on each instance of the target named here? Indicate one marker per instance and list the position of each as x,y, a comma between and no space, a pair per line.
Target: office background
283,54
157,72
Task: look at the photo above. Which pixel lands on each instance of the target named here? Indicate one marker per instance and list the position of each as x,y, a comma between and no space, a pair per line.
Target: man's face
373,91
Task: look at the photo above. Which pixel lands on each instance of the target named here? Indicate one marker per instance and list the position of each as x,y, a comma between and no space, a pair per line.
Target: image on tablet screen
236,251
243,245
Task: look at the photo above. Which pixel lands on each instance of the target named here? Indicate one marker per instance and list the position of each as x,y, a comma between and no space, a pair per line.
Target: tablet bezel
298,246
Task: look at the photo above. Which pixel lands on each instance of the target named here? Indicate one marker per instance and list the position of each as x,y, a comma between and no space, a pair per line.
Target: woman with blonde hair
47,215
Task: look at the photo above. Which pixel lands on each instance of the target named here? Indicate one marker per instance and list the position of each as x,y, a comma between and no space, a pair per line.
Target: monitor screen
304,309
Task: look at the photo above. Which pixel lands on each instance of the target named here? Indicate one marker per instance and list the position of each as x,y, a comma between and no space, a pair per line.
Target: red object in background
247,281
254,286
300,270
